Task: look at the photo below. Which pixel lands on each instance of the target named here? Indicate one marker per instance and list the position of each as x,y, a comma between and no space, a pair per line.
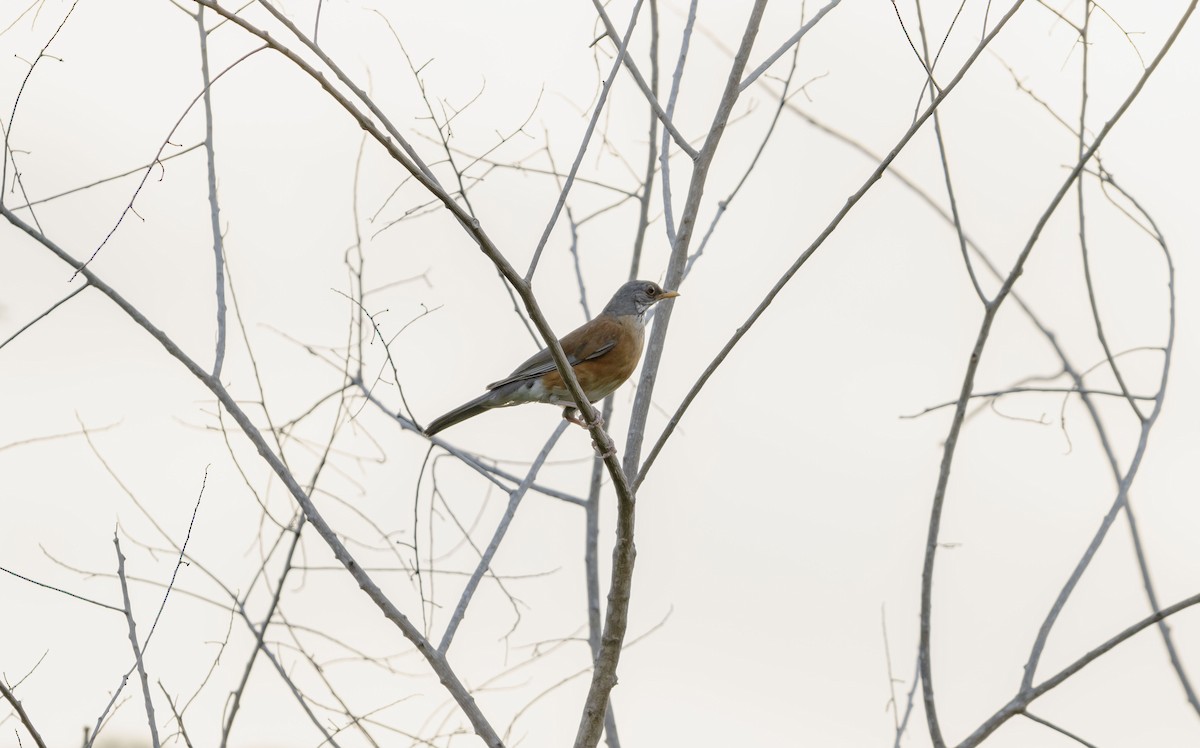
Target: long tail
484,402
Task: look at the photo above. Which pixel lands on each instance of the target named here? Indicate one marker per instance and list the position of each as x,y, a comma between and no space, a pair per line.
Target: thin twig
158,156
44,314
1056,728
114,177
177,715
587,137
1085,45
945,161
133,642
664,150
12,699
1018,390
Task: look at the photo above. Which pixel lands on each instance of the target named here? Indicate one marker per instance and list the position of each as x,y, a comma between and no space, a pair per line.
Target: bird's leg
573,415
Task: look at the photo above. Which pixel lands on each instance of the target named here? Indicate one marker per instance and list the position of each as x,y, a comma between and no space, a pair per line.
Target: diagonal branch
133,642
12,699
651,98
436,662
1022,700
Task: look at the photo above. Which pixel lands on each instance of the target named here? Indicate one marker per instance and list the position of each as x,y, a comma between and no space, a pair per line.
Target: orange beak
668,295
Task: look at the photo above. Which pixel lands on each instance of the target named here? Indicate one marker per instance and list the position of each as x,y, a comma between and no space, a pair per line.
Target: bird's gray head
635,297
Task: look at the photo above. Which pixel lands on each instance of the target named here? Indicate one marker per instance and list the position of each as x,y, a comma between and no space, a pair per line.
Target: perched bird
603,352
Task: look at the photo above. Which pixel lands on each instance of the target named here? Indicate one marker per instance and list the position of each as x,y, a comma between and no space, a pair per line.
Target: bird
603,352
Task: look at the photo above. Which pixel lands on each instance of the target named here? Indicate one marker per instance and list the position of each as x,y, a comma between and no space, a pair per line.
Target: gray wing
592,340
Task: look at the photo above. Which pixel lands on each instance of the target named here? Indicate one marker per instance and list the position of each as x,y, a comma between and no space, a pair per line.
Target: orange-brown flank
600,376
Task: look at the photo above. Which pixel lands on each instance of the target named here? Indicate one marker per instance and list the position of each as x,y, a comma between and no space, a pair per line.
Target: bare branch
604,676
133,642
1057,729
43,315
587,137
651,96
214,205
1027,696
792,41
12,699
945,162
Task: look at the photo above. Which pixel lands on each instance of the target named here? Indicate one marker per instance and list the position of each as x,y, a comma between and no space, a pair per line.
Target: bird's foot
573,415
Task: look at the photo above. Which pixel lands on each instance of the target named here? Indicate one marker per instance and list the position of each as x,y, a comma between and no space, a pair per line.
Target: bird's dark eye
651,291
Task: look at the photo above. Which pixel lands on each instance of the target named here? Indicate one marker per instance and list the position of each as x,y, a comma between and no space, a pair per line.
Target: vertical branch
591,554
945,162
604,675
214,206
591,565
1083,245
643,224
237,608
683,238
260,632
939,496
665,149
133,642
